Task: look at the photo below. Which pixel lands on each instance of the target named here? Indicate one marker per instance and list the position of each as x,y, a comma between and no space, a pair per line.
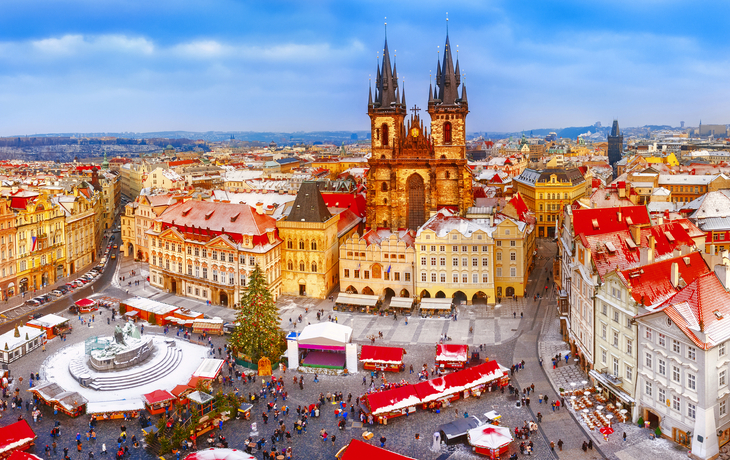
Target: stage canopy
388,355
325,336
158,396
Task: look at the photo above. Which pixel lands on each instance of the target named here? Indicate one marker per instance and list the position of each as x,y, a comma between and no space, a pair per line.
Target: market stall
85,306
219,454
392,403
181,392
357,302
53,325
18,436
149,310
326,345
209,326
113,410
358,450
456,432
157,401
209,369
490,440
51,394
20,455
382,358
451,356
202,402
435,307
19,342
401,305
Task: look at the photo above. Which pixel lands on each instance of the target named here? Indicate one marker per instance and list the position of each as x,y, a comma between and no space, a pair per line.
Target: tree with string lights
257,332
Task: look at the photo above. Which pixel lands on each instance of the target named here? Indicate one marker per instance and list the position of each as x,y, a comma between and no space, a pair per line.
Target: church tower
615,145
413,174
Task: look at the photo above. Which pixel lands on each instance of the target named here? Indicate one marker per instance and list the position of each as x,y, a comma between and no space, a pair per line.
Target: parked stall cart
70,403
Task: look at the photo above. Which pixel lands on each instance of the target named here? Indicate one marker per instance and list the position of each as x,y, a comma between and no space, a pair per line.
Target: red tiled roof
606,220
670,235
651,284
519,205
353,201
158,396
182,163
213,218
694,309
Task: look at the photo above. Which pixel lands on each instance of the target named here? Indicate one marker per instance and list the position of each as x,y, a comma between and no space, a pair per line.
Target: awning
16,435
436,304
363,300
131,314
620,394
209,368
452,352
401,302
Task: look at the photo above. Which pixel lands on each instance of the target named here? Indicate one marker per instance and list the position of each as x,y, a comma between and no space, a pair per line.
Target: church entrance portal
416,202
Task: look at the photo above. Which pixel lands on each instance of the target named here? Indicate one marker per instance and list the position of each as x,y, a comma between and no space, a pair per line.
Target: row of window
691,352
290,245
676,401
455,277
464,261
442,248
384,256
552,196
366,274
676,374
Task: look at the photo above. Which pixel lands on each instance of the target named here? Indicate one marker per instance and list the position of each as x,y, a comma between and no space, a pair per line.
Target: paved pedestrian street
511,332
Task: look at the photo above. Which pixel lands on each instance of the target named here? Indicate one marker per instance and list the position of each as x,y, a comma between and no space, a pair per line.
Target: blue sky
128,65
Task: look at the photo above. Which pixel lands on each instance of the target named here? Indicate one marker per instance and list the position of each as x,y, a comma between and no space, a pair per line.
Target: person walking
590,444
382,441
560,444
624,436
584,446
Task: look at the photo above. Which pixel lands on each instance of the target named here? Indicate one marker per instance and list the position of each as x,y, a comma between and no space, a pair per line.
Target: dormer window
209,215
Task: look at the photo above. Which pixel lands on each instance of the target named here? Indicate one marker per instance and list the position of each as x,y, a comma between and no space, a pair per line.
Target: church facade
412,173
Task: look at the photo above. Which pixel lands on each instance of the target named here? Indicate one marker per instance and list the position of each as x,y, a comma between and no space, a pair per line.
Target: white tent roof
49,320
436,303
327,334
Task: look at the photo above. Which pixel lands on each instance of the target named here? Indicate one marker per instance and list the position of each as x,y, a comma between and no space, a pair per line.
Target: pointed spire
430,93
448,84
403,95
370,96
463,94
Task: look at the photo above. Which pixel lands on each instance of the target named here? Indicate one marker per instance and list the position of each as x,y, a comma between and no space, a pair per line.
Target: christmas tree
257,333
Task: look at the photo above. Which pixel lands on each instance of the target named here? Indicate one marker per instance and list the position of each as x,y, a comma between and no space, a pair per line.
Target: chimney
675,274
652,247
660,220
259,208
636,234
619,216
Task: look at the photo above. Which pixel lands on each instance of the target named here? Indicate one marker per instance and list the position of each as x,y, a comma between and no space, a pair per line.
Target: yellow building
668,159
379,263
309,257
139,216
163,179
546,192
80,227
111,189
40,239
454,259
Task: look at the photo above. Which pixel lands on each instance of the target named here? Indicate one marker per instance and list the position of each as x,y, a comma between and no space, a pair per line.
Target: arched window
384,186
290,265
301,244
314,267
385,201
447,133
314,245
385,135
301,266
289,244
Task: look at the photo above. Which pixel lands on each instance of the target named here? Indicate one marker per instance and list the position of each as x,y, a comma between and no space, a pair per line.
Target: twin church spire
446,92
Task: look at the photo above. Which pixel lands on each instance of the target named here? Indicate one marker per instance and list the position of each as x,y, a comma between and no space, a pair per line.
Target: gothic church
413,174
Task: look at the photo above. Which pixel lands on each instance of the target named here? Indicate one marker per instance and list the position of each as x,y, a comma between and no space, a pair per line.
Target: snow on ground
55,369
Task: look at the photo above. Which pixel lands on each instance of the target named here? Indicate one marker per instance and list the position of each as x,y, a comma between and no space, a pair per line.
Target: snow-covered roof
149,305
443,223
13,342
49,320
